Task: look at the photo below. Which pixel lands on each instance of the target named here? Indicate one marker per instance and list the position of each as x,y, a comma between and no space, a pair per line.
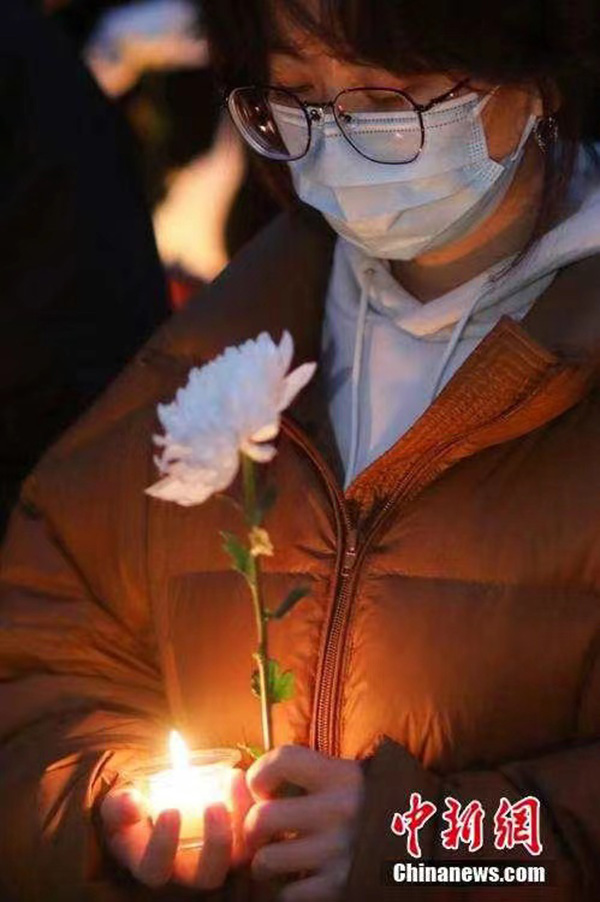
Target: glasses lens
381,124
272,122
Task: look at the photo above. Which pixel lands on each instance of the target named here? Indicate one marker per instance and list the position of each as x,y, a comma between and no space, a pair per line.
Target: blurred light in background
190,222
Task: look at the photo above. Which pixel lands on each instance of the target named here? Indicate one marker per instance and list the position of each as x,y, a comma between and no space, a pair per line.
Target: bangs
350,30
509,42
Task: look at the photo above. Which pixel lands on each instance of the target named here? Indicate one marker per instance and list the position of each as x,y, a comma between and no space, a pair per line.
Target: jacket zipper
325,738
344,567
323,734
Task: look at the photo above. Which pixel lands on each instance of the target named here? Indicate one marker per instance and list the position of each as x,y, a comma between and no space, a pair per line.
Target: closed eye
300,90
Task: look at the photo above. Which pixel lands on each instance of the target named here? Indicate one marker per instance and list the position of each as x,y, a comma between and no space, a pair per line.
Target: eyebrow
285,49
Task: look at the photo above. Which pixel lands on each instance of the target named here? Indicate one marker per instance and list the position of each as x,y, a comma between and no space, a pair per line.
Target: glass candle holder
189,784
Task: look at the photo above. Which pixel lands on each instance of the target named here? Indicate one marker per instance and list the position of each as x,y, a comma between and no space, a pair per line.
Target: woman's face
311,71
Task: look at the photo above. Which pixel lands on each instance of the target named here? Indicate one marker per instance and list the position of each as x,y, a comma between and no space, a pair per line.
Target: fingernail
215,817
129,805
169,818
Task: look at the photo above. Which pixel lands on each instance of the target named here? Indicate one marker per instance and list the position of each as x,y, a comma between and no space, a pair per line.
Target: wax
190,790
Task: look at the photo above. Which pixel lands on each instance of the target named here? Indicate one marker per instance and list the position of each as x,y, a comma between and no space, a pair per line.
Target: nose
331,76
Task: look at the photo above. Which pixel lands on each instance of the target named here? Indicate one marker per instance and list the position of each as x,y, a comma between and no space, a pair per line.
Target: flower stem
262,652
262,660
249,477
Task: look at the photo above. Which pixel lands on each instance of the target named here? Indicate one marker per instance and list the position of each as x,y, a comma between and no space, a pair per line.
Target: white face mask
397,212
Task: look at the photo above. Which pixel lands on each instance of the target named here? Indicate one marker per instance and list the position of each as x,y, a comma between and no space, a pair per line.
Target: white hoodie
387,355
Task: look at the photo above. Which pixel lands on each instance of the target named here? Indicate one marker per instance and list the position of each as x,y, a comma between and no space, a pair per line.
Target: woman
437,491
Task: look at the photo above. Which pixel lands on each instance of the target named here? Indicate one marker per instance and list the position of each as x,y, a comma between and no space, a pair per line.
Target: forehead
298,30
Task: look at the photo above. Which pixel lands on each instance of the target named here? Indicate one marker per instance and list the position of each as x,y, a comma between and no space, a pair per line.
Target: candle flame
180,757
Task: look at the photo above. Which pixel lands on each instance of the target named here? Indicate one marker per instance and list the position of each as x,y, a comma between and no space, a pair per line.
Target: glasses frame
314,112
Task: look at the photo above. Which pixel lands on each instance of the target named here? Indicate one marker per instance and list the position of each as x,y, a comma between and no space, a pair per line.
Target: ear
548,98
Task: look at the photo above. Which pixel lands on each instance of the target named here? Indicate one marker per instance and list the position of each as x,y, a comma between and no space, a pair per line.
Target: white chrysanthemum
230,406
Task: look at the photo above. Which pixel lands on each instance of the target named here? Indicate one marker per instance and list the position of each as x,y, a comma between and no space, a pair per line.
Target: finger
266,821
122,808
156,865
241,803
128,844
126,826
319,888
210,869
291,856
215,859
292,763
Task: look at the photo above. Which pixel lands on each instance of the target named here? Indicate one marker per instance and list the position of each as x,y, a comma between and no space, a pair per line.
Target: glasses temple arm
424,107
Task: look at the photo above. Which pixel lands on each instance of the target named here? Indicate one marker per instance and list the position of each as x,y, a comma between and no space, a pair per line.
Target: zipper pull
350,552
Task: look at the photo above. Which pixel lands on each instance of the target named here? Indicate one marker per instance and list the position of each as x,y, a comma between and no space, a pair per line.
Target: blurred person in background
438,486
151,58
82,286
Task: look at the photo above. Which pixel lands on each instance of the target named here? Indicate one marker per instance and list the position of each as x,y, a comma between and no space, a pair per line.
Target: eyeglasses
385,125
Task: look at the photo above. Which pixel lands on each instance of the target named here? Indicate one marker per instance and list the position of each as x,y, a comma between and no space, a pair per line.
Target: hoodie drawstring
452,344
356,372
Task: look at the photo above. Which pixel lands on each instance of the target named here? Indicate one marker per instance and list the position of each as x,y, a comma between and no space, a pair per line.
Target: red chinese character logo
464,825
412,821
518,824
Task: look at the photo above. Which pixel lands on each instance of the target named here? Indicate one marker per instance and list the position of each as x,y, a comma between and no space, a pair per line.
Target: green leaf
280,684
290,602
264,503
283,688
241,558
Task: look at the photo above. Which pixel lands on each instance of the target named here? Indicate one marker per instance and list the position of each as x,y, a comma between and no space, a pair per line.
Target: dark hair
554,44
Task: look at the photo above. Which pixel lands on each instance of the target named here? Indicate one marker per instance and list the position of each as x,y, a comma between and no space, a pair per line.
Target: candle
192,783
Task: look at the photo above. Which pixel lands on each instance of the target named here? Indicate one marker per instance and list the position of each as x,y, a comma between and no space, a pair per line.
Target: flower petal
172,489
262,454
286,350
266,433
295,382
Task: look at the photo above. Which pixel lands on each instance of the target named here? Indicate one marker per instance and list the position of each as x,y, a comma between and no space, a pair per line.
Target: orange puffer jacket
451,633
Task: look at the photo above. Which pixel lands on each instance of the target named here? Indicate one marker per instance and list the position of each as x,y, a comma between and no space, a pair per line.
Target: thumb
122,808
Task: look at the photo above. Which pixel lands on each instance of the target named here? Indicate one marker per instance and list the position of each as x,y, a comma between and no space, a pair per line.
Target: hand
322,822
150,852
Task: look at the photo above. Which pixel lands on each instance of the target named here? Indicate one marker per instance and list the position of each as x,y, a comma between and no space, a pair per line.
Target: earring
545,133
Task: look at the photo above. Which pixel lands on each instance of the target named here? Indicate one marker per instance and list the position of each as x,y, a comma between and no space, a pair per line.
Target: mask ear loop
529,125
481,105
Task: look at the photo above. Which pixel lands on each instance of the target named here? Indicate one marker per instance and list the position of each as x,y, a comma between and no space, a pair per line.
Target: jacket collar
520,377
